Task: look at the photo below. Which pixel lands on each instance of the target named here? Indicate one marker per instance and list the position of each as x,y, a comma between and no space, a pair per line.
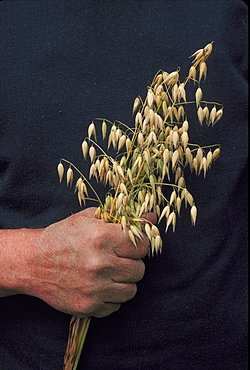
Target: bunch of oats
149,155
153,155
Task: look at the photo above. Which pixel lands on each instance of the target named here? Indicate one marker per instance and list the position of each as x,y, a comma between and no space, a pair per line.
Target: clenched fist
80,265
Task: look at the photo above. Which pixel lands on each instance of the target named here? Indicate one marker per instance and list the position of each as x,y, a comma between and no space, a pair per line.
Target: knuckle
132,290
95,265
139,271
125,292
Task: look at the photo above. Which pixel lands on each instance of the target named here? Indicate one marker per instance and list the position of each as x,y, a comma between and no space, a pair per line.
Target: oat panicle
156,149
152,157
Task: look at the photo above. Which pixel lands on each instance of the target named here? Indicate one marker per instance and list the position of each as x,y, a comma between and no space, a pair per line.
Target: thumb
151,217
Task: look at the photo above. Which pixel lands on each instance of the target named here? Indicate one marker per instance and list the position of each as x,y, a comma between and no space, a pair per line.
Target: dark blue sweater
64,63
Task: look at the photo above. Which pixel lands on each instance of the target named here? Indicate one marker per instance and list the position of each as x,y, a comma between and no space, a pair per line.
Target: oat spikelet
166,157
146,155
120,172
124,223
132,237
200,114
128,144
172,197
195,165
150,98
154,230
181,113
206,114
104,129
203,70
84,189
198,96
189,198
208,50
175,158
138,119
152,201
165,212
60,171
118,134
158,244
212,115
192,73
182,92
199,155
85,148
137,232
218,115
140,139
152,181
92,153
136,104
181,182
175,138
159,90
123,188
216,154
97,213
157,210
185,125
81,198
92,171
177,174
147,230
69,176
171,113
121,142
78,184
193,214
178,205
120,201
175,93
209,158
203,166
189,157
171,220
92,130
172,78
197,54
184,139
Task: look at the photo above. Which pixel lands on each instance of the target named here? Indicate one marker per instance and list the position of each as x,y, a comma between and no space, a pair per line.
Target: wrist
16,259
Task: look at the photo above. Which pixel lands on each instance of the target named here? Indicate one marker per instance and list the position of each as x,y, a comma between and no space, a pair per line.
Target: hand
86,267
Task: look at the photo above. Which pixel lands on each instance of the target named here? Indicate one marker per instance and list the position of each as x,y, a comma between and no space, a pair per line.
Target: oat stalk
148,172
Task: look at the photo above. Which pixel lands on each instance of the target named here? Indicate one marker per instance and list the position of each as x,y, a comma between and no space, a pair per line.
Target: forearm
16,257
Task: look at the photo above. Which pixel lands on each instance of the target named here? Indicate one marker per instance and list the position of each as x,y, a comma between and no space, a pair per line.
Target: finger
120,293
128,250
151,217
129,271
107,310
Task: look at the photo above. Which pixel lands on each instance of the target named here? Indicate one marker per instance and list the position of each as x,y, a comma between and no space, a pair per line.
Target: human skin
81,265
